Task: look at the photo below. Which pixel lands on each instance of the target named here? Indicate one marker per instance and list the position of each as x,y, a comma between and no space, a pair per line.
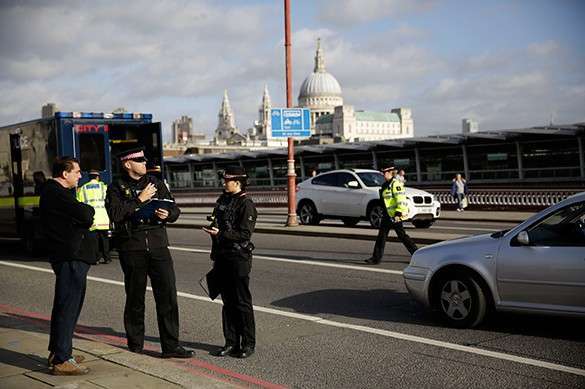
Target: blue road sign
295,122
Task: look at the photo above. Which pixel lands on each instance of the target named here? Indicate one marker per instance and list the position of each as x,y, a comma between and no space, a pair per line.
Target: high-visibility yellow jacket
393,194
94,193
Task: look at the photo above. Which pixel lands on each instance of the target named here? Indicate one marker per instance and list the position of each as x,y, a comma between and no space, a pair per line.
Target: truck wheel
308,213
350,221
459,300
375,215
422,223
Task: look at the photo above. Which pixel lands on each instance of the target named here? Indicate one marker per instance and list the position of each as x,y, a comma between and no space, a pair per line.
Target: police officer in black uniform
234,220
143,246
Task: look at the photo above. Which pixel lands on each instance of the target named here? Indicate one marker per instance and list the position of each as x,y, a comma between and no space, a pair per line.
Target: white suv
353,195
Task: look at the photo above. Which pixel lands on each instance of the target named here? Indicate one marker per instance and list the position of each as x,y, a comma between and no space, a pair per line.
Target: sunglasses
138,160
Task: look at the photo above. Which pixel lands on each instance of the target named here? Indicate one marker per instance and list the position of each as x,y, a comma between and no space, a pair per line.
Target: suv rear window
372,178
325,179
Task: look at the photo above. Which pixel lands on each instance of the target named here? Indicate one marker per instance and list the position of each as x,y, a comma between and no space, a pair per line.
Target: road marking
302,262
360,328
332,223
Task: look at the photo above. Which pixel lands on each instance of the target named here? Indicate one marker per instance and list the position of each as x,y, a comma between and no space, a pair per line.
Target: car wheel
308,213
422,223
350,221
460,300
375,215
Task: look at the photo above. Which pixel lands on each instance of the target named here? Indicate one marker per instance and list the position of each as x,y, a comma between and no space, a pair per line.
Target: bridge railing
500,199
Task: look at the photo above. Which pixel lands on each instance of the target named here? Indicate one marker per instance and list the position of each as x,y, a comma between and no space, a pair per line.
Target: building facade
181,129
350,125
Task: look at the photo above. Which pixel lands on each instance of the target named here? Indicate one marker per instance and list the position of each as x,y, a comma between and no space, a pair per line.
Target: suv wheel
350,221
422,223
460,300
308,213
375,215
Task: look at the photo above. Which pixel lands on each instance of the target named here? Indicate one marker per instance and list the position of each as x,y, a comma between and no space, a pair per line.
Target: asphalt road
325,320
440,226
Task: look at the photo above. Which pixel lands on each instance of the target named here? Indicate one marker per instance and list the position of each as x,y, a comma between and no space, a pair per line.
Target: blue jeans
460,197
69,295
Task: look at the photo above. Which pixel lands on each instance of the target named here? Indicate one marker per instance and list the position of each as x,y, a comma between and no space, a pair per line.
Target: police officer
143,248
93,193
234,221
393,195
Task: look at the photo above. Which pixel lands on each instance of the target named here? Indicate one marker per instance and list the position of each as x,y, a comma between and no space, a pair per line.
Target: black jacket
65,223
121,203
235,217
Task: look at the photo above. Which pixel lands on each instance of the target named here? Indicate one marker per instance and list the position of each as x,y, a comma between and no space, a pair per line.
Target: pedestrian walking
93,193
142,243
393,196
401,176
234,220
65,222
459,192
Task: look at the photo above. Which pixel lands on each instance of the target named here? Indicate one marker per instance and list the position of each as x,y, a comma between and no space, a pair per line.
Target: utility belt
244,248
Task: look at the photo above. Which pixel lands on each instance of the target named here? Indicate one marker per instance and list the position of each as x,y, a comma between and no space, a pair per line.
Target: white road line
302,262
375,331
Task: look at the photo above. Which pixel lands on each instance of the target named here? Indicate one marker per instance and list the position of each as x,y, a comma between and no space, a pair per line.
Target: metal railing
503,199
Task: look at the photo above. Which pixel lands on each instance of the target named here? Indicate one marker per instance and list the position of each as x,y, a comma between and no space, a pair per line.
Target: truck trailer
28,149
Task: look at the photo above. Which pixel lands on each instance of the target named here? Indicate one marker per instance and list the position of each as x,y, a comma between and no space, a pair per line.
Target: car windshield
372,178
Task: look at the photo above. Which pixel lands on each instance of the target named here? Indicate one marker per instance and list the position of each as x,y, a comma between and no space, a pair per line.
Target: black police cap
135,152
234,172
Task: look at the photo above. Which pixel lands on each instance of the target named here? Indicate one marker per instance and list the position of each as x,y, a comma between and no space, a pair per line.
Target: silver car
537,266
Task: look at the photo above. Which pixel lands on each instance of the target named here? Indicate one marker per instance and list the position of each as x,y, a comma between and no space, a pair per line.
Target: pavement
420,236
23,361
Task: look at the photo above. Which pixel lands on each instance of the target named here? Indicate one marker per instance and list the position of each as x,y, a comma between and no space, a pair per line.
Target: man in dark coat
140,205
65,223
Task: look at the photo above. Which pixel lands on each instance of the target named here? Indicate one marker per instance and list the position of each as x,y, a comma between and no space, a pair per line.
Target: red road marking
193,365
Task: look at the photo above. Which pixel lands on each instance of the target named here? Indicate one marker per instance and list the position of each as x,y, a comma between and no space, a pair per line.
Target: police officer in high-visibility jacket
393,195
93,193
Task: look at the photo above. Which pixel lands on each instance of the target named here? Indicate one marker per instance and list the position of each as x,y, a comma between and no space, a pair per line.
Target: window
565,227
372,179
325,180
344,178
91,152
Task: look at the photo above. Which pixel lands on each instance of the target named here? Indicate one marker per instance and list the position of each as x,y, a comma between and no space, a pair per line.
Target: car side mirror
523,238
353,185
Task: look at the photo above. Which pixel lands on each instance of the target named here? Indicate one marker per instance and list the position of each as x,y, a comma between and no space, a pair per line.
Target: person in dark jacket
234,220
142,243
65,223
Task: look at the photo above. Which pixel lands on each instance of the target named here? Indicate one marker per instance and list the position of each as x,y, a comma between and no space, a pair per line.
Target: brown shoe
69,367
77,358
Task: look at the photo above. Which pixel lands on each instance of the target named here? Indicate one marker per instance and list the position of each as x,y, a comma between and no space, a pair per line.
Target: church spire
319,60
266,98
225,105
226,120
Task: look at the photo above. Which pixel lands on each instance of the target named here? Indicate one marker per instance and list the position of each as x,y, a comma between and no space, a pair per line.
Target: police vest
395,198
94,193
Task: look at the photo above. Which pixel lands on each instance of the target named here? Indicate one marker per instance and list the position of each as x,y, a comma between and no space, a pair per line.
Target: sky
506,64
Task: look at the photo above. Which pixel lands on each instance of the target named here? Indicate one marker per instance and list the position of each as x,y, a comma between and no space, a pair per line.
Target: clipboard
210,284
146,212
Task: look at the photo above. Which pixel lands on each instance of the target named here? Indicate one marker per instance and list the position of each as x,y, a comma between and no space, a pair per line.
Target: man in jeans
65,223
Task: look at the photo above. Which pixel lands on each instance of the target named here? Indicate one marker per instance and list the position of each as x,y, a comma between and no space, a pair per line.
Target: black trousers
157,264
239,328
103,245
385,226
70,285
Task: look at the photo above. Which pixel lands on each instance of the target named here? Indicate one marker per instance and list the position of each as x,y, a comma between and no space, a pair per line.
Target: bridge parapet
487,199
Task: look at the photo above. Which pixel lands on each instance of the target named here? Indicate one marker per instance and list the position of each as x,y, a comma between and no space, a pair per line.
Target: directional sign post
291,122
